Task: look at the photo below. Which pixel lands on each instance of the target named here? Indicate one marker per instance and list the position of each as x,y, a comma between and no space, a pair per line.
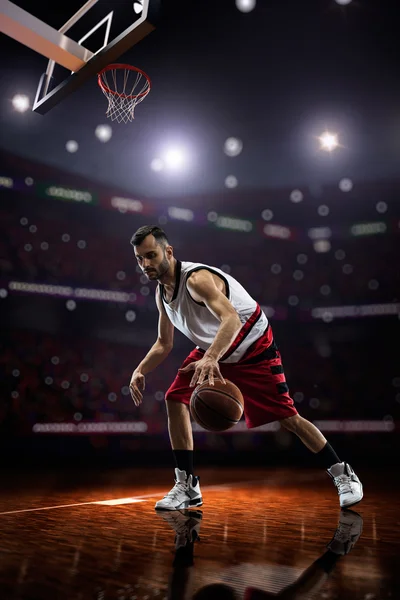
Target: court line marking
137,499
22,510
133,499
118,501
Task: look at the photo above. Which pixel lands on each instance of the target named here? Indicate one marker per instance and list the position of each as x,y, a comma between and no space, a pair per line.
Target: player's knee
291,423
174,408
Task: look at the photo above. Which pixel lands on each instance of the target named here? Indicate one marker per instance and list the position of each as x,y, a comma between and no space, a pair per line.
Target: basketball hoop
119,89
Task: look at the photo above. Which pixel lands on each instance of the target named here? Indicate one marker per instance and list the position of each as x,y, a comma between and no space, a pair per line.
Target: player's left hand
206,368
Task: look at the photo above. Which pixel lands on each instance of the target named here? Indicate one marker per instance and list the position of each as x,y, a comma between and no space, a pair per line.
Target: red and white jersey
198,323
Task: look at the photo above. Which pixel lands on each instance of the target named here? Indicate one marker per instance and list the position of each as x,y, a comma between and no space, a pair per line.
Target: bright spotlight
245,5
20,102
157,164
174,158
103,133
342,2
329,141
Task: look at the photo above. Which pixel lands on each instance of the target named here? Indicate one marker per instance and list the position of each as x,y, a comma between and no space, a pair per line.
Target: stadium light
174,158
20,102
233,146
245,5
103,133
345,184
72,146
231,182
329,141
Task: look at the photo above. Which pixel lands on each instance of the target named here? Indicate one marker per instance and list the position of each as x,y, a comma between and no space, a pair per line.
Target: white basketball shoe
348,485
347,533
185,493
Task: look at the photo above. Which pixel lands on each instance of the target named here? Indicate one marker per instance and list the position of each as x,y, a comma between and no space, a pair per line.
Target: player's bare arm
209,289
156,355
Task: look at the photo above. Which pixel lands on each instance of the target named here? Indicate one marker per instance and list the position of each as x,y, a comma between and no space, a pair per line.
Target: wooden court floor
259,534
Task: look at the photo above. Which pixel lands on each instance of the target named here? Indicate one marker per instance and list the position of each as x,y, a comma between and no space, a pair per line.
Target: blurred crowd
276,272
67,378
59,379
62,379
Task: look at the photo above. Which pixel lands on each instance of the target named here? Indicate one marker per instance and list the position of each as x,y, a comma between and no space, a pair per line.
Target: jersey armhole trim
227,288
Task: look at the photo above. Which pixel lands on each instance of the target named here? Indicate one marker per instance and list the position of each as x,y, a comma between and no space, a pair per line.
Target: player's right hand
137,383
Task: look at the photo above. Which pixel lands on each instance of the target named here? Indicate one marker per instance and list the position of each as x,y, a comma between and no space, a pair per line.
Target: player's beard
161,270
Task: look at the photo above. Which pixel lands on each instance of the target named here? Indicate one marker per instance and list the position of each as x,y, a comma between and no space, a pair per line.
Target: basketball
217,407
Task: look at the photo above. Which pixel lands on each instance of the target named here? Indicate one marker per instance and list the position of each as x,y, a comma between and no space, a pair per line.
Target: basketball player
234,340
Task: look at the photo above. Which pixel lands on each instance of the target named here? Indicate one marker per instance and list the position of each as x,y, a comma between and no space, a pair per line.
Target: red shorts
260,377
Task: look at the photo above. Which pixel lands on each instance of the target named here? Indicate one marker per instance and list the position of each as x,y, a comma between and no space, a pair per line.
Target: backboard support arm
59,48
40,37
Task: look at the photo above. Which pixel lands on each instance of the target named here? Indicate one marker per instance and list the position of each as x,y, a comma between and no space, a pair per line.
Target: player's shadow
187,523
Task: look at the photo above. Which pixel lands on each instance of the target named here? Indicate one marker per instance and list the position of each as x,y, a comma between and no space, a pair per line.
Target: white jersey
198,323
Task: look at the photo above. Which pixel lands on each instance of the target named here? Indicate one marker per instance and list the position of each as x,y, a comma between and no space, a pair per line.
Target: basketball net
124,87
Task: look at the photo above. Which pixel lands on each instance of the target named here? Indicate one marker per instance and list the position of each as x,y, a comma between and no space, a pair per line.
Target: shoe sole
350,505
191,504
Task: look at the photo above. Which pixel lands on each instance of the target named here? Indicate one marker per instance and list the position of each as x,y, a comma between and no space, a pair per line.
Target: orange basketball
217,407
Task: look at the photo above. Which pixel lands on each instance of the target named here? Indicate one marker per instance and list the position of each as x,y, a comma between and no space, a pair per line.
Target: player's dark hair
143,232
